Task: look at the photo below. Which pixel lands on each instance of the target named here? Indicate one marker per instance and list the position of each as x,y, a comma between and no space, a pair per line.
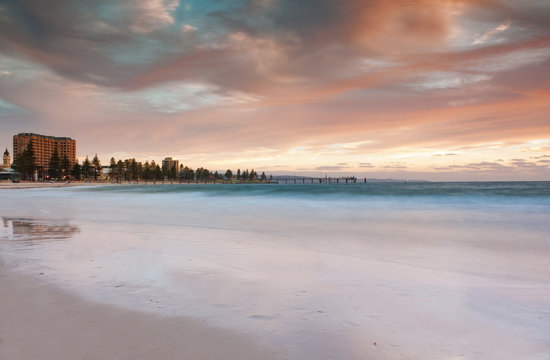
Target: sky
426,89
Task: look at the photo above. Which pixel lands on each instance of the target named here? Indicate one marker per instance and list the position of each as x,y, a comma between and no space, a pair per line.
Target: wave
410,189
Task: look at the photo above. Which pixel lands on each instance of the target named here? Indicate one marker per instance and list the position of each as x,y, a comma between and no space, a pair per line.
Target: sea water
316,271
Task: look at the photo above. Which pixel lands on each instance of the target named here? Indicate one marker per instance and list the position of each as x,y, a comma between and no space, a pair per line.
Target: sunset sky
433,89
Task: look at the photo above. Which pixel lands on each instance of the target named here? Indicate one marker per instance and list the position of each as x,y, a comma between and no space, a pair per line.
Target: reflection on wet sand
32,230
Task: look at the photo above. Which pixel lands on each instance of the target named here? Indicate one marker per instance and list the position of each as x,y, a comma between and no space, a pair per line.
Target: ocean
315,271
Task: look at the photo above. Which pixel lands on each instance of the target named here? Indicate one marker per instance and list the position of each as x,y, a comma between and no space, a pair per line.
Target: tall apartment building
168,163
44,147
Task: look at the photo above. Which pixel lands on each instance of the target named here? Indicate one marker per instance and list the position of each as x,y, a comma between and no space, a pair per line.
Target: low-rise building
8,174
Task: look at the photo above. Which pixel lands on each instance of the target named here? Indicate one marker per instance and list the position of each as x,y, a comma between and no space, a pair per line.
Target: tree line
59,168
132,170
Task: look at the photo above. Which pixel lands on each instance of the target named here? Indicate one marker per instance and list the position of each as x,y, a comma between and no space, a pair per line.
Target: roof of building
44,136
6,152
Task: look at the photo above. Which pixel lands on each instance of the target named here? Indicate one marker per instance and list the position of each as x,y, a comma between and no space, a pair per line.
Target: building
106,172
7,163
168,163
44,147
6,172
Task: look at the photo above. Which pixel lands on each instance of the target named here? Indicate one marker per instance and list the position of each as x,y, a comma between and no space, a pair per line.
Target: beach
8,185
39,321
377,271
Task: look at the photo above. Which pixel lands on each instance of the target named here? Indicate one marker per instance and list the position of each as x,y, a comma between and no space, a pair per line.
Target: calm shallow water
425,270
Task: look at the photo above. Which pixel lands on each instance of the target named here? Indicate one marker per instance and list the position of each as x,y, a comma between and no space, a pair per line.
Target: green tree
127,175
133,170
173,173
203,174
24,163
120,170
187,173
146,173
17,163
263,177
139,170
158,173
65,167
76,172
96,165
54,166
87,170
112,167
30,162
238,174
229,174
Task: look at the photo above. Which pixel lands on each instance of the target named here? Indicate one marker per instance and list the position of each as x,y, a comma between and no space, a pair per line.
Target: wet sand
38,321
37,184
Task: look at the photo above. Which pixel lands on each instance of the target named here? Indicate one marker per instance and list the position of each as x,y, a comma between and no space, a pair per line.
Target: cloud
334,80
514,165
150,15
489,34
186,28
366,165
78,39
484,165
527,165
330,168
283,50
394,166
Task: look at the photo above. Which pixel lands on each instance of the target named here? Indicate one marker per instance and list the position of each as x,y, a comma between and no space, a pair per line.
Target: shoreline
40,321
37,185
40,185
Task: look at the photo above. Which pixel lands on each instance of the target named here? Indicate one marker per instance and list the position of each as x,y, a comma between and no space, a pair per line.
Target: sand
39,184
38,321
